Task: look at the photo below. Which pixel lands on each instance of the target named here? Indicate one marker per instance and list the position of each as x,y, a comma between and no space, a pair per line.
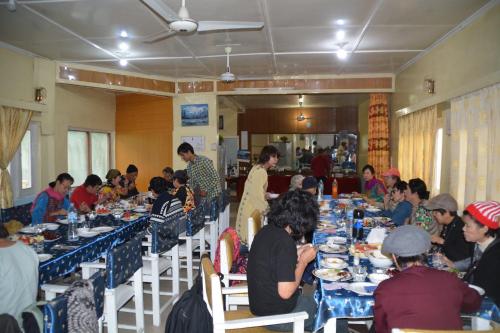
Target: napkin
376,236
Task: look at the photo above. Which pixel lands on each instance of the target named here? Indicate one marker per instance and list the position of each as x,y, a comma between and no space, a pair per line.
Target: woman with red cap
482,226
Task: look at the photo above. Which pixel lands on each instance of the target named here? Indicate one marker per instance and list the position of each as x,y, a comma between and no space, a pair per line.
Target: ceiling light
71,77
340,35
123,46
123,62
340,22
301,98
11,5
123,34
342,54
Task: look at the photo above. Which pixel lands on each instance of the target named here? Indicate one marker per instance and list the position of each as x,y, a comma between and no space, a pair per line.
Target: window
88,152
23,167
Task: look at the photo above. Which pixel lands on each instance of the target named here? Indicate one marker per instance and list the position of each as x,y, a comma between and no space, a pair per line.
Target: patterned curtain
13,125
417,135
378,133
475,146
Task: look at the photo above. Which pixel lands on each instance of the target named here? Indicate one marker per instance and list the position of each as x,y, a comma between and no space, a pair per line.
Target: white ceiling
298,37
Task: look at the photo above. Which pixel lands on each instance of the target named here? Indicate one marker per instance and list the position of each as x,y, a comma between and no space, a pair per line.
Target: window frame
88,133
21,195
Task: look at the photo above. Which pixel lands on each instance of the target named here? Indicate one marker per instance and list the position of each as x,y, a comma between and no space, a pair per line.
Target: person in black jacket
451,240
482,226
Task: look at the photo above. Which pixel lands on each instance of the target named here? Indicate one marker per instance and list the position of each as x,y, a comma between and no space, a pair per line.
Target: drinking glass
437,260
359,273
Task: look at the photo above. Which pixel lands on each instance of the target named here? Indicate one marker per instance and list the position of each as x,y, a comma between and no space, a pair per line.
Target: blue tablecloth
89,249
343,303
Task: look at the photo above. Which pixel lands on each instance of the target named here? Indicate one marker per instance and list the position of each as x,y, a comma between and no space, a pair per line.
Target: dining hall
249,166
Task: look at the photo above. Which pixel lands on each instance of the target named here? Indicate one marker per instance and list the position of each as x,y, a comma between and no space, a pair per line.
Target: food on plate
103,211
336,263
50,235
31,239
330,274
360,249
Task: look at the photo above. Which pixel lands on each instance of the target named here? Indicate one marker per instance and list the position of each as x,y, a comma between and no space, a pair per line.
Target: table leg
330,326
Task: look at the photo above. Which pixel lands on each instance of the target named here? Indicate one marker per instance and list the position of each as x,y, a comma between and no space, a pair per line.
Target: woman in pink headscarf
52,201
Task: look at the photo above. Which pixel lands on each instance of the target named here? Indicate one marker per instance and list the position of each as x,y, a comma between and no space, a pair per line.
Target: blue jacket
400,213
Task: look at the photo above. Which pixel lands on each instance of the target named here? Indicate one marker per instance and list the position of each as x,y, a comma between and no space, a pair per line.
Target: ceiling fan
182,22
227,76
301,116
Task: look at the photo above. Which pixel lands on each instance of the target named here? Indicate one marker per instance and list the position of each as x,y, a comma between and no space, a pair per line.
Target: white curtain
475,146
417,133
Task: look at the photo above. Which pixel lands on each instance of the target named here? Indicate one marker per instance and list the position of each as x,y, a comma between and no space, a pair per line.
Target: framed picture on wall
221,122
194,114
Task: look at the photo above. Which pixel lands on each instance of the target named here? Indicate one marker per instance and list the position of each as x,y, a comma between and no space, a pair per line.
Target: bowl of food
335,263
378,259
377,277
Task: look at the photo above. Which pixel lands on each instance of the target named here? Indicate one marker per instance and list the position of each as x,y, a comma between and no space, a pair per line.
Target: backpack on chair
190,314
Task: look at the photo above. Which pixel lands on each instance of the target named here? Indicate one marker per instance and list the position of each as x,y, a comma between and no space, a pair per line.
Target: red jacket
80,195
320,165
420,297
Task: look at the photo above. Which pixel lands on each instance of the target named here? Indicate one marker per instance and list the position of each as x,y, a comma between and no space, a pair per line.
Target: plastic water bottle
357,225
72,224
321,187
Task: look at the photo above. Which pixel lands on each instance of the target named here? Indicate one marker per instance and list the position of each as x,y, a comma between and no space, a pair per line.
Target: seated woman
182,190
84,197
112,190
52,201
168,173
374,188
402,212
127,182
166,206
417,195
296,182
19,277
482,226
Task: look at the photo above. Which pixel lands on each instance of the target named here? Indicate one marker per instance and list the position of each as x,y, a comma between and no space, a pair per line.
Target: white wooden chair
123,282
224,211
254,226
212,227
241,321
239,293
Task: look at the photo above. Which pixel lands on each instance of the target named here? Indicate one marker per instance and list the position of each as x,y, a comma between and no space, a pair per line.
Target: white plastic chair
254,226
223,320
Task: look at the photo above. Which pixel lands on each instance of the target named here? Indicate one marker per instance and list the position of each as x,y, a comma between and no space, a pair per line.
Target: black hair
3,231
61,178
418,186
404,261
490,232
132,168
267,152
181,176
184,148
297,209
401,186
369,167
168,170
158,185
92,180
443,211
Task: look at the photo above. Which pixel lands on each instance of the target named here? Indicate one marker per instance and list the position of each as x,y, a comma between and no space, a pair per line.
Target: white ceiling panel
173,68
309,64
241,65
401,38
428,12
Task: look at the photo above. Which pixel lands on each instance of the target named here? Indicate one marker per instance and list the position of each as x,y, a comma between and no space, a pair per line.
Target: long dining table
66,256
336,300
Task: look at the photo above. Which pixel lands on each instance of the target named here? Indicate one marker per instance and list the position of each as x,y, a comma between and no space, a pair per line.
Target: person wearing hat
451,240
128,182
401,213
419,297
482,227
111,191
310,184
417,195
182,191
391,177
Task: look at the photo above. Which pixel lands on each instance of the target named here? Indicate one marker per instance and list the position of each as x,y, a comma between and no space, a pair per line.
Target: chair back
98,282
254,226
214,209
196,220
165,235
226,253
55,314
212,292
123,261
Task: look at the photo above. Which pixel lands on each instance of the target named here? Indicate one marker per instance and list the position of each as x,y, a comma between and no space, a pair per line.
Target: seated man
419,297
18,277
128,182
182,190
310,184
166,206
275,265
451,240
401,212
84,197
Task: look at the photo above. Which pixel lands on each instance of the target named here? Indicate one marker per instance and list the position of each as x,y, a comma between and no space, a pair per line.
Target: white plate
372,210
50,226
87,233
140,210
273,195
334,275
335,240
478,289
103,229
376,278
44,257
334,248
360,288
28,230
335,263
62,221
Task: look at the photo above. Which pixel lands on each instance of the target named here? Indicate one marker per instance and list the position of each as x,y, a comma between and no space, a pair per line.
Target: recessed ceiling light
123,62
342,54
123,46
340,35
340,22
123,34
